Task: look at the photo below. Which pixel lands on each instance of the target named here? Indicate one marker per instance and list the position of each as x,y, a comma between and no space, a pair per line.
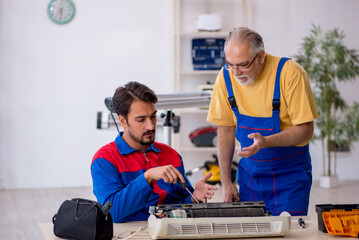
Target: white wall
53,78
284,23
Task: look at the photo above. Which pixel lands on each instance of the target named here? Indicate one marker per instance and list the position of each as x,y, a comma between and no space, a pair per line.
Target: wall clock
61,11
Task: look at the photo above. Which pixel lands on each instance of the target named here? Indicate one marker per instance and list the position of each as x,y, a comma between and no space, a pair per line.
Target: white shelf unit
233,13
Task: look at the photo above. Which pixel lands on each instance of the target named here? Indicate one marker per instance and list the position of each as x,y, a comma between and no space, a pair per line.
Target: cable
137,231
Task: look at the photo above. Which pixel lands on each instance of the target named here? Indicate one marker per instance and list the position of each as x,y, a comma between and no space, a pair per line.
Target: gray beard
249,81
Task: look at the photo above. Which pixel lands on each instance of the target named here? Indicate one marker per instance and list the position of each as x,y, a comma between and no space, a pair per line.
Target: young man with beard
266,103
134,172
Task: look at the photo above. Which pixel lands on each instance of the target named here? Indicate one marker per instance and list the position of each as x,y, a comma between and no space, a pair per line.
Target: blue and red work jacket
118,176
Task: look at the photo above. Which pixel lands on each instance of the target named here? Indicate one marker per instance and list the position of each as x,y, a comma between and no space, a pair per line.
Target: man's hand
168,173
204,191
292,136
230,193
254,148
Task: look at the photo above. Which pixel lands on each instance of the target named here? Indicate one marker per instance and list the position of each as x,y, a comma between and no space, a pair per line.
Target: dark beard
147,143
141,141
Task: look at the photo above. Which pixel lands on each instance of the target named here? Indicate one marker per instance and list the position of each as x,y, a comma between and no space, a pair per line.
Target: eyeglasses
232,67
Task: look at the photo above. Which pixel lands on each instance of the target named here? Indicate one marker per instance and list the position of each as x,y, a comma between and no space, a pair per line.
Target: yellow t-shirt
297,103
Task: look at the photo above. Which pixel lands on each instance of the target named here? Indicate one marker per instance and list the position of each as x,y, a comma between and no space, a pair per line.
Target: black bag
83,219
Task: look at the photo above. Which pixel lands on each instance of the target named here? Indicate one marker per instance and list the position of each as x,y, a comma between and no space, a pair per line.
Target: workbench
310,232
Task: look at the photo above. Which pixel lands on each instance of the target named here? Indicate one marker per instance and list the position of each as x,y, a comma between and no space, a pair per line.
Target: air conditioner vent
235,228
220,228
188,229
226,228
249,227
265,227
205,228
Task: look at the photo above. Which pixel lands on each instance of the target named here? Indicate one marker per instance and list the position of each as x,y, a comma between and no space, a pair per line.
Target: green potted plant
328,61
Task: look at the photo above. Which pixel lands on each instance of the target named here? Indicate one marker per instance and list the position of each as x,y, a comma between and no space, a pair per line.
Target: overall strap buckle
232,102
276,104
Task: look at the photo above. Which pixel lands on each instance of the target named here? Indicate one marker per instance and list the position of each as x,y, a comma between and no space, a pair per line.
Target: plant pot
329,181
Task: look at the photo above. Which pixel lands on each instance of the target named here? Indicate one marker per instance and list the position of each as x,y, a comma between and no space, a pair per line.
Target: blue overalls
280,176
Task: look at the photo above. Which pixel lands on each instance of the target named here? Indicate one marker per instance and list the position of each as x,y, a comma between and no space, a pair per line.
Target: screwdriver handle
183,184
301,222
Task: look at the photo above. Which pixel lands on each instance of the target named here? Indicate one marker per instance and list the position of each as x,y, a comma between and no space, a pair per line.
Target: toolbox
338,219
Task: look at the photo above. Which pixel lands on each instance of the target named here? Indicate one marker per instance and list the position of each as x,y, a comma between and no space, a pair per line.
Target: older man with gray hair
266,103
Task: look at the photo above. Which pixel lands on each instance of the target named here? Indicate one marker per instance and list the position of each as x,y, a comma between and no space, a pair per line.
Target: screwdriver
185,187
301,222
